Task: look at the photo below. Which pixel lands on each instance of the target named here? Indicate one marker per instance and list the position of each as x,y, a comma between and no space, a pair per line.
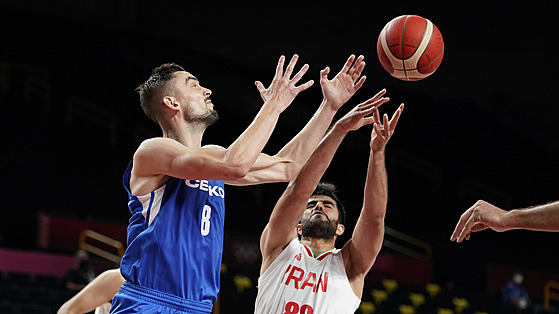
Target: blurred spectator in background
515,296
80,274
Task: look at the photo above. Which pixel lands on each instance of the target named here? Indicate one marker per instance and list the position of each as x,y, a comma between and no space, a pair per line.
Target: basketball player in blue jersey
310,275
176,186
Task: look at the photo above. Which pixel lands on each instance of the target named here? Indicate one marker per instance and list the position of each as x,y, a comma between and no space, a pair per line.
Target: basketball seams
426,48
412,64
391,57
402,45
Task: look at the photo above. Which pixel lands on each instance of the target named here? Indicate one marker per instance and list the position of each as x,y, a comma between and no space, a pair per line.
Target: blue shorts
132,298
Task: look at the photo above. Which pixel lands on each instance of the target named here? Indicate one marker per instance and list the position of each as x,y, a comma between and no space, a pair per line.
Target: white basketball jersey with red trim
298,283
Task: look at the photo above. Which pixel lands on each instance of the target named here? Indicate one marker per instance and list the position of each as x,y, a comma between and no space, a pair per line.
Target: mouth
319,213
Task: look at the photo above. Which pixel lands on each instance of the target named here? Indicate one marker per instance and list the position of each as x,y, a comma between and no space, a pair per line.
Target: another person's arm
483,215
97,292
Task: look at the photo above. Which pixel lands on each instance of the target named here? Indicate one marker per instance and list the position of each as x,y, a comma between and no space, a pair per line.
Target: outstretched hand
344,85
359,115
482,215
283,89
382,132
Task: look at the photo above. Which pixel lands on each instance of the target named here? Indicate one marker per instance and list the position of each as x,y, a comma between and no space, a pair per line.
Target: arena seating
22,293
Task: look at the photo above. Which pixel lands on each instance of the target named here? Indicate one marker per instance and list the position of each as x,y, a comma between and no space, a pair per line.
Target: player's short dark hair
159,76
330,190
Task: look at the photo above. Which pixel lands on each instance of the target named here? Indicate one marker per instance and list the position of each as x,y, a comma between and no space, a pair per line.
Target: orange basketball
410,47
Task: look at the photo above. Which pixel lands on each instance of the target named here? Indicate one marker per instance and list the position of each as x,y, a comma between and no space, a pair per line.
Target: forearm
290,206
300,148
540,218
244,151
287,163
319,161
376,187
368,233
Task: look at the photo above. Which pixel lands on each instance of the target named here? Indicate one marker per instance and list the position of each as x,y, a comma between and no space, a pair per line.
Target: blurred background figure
80,274
514,294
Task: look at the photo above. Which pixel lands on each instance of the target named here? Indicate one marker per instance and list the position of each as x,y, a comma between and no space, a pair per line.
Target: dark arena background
483,126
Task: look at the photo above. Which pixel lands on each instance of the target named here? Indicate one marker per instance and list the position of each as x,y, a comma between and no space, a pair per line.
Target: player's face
321,207
320,219
194,99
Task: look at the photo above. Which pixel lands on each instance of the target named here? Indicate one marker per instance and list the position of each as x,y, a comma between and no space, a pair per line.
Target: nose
319,206
207,92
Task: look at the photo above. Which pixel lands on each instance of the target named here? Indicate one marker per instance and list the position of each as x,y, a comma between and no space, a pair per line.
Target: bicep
365,244
168,157
282,226
273,241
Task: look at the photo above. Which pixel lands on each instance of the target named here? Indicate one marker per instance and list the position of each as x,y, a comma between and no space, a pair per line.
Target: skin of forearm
303,144
376,186
322,156
299,189
541,218
247,147
293,156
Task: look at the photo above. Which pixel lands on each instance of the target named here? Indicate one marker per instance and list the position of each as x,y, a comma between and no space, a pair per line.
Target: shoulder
149,146
214,147
155,143
294,246
157,148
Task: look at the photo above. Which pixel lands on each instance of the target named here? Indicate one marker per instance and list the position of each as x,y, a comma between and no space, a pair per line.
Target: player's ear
299,229
340,230
170,102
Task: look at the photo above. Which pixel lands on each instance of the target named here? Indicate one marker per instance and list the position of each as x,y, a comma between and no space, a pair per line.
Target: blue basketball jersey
175,238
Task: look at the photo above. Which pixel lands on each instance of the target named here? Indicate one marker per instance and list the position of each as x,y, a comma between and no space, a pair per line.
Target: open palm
283,87
344,85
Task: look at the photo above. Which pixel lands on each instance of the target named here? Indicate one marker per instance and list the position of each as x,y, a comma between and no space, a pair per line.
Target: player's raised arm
177,159
362,249
288,161
285,216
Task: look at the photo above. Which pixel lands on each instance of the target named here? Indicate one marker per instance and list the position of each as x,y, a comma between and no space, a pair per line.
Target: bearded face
211,118
318,228
206,119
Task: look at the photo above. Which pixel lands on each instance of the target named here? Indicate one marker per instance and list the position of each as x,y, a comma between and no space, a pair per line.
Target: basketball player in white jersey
311,276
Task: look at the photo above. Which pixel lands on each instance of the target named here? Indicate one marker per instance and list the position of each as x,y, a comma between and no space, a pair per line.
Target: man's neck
319,246
185,134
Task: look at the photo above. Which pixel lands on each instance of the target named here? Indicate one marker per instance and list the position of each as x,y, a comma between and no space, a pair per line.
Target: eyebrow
323,201
191,78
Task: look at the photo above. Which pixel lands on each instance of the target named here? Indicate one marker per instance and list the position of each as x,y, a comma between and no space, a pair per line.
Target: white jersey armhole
291,248
338,254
